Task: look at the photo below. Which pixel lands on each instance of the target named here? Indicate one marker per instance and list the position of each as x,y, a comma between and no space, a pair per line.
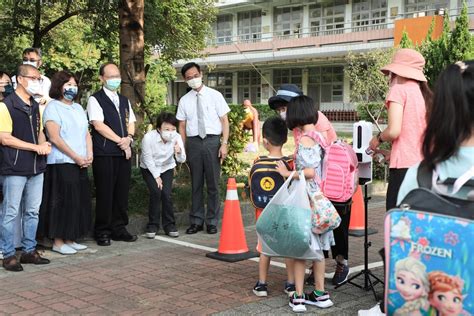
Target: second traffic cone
357,223
232,243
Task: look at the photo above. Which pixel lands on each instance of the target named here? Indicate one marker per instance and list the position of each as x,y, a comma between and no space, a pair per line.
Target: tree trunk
132,60
36,28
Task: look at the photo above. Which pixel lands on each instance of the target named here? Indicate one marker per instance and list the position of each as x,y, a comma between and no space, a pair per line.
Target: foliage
178,28
368,83
375,108
264,111
405,41
238,138
460,42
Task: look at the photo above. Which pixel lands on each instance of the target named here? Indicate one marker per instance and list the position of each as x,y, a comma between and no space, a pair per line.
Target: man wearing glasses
32,57
24,149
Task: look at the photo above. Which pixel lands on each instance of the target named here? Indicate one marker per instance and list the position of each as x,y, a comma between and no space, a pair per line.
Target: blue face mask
8,89
113,84
70,93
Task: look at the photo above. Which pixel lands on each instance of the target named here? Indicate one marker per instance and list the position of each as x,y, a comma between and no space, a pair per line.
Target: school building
259,45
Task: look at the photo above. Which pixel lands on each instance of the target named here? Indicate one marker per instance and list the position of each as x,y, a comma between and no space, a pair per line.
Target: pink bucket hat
407,63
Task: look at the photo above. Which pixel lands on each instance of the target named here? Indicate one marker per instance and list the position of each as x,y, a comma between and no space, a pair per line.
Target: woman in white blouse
161,148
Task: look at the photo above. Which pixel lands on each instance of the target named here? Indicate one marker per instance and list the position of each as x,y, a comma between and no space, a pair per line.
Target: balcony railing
348,26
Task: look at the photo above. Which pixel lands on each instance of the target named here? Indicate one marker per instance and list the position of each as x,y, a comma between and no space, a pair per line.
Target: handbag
284,227
324,216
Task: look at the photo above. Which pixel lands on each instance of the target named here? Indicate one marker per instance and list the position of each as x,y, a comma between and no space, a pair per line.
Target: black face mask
8,90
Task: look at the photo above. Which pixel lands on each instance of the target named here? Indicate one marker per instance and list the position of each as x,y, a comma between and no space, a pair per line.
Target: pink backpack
340,176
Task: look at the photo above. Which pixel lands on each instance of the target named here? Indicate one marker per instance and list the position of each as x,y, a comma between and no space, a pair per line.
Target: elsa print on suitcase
430,266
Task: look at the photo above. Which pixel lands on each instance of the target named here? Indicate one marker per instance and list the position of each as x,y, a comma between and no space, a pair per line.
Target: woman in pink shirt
407,100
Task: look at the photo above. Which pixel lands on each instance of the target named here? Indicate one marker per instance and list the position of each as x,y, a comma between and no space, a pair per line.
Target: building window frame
222,29
327,18
249,25
288,21
249,86
415,8
222,82
369,15
287,75
326,84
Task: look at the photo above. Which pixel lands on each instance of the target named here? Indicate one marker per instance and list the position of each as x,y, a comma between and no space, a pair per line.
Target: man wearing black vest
24,149
113,126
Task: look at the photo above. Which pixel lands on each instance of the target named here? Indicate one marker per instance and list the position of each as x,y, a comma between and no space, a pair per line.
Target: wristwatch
131,138
224,142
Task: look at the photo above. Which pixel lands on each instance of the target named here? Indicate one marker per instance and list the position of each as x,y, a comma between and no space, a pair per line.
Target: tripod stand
366,273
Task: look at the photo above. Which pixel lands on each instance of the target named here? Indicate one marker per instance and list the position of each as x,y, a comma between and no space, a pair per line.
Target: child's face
409,286
447,303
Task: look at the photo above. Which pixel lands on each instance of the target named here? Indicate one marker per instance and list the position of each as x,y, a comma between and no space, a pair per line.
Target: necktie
200,115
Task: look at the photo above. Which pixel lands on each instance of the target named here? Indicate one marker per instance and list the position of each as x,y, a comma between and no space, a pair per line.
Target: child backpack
429,251
340,175
265,180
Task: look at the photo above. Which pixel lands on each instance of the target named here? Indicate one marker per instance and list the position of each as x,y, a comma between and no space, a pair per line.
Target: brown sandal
12,264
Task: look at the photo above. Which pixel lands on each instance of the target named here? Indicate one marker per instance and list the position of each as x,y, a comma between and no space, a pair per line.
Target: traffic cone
357,222
232,243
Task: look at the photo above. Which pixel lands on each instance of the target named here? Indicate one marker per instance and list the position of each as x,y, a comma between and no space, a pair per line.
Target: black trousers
202,156
112,181
341,234
160,200
395,179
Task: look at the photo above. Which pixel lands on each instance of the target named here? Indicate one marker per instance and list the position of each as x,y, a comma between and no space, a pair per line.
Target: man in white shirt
202,115
32,56
113,126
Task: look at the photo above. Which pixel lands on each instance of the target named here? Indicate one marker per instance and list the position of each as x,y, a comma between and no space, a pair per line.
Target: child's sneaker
260,289
289,288
297,303
321,301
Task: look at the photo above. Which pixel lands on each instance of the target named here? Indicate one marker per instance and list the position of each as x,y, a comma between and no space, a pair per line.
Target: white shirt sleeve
221,105
132,118
180,114
147,156
94,111
182,156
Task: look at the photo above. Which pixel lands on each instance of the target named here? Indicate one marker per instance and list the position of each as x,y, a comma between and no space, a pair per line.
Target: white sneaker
150,235
1,255
374,311
297,303
77,246
64,250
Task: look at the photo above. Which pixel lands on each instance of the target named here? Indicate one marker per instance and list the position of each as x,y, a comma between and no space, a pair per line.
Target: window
327,17
424,7
249,86
249,25
326,84
223,29
369,14
282,76
287,21
222,82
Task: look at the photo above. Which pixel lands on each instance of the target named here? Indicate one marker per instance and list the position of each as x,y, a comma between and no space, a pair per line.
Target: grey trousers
202,156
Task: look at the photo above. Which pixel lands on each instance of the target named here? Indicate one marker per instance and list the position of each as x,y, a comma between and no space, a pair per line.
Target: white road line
273,263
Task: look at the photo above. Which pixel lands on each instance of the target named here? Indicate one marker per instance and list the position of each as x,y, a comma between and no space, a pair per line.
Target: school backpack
340,175
429,252
265,180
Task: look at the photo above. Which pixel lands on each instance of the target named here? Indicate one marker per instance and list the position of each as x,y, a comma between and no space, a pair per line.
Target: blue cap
284,95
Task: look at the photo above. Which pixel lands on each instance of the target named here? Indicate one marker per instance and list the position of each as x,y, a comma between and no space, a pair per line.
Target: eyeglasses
30,59
39,79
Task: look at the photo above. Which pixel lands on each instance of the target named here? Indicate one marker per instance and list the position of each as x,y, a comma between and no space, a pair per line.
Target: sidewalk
170,276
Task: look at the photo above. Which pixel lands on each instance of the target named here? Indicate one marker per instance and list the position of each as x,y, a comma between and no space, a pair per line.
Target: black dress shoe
12,264
193,229
103,240
33,257
124,236
211,229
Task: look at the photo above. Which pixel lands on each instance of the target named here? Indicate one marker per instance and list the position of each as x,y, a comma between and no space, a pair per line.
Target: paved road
167,276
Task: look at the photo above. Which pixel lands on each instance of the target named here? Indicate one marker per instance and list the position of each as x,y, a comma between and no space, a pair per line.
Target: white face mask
168,135
31,63
195,83
34,88
283,115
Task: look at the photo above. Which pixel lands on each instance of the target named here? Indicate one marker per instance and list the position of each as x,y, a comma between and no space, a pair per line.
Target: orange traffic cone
232,243
357,223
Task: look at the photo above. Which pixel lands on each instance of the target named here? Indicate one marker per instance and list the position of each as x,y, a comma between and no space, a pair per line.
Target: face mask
283,115
70,93
113,84
194,83
34,87
168,135
8,89
31,63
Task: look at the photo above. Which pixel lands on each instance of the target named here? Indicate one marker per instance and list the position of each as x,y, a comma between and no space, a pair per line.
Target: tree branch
15,19
58,21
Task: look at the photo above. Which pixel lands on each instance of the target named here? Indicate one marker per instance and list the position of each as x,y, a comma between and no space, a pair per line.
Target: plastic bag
324,216
284,227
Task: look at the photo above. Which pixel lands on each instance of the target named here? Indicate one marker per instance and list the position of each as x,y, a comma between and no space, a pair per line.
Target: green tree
405,41
460,42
